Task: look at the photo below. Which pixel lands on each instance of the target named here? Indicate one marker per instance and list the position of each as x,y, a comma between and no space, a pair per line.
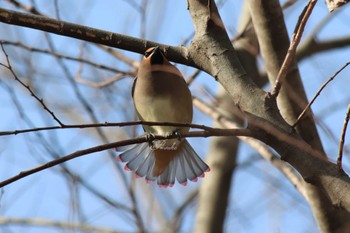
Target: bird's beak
157,56
156,50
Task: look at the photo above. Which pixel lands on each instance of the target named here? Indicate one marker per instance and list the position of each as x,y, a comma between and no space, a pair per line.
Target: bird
161,94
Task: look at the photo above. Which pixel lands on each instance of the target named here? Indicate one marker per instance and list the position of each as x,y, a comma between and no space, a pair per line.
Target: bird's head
155,60
155,56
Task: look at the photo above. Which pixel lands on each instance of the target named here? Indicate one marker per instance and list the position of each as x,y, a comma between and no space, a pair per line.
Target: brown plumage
161,94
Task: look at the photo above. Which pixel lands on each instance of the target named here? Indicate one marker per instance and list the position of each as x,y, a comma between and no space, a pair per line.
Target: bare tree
64,100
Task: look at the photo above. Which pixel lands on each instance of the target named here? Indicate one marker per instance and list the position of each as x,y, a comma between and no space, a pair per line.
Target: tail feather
139,158
167,177
181,173
196,163
131,152
190,166
149,175
182,164
163,159
144,168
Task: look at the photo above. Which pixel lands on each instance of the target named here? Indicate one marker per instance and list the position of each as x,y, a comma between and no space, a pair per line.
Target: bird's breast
163,97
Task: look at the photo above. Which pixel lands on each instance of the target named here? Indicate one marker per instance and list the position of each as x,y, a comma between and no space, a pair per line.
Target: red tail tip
126,168
149,181
119,159
184,183
208,170
136,175
195,179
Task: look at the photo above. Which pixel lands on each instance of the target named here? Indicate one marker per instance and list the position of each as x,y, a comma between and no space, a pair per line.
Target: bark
222,155
333,4
214,192
273,39
212,51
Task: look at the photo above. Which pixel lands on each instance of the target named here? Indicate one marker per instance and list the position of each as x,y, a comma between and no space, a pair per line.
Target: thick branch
212,51
116,40
312,46
274,43
260,147
215,190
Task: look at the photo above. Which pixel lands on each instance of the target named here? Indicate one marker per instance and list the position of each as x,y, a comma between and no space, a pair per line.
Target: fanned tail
164,166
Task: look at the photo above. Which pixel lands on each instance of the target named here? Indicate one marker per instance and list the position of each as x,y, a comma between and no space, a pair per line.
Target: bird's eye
149,52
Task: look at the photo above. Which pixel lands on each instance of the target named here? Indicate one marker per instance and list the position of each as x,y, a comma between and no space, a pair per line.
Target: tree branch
116,40
333,4
106,124
212,51
71,58
312,46
298,32
40,100
275,45
210,133
342,139
261,148
318,93
55,224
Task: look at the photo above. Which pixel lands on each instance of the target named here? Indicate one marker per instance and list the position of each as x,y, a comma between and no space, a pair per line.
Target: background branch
45,223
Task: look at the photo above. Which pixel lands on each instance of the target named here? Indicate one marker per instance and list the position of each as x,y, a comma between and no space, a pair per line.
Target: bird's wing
133,87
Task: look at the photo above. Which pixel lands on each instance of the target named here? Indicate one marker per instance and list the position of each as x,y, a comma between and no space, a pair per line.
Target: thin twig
311,44
106,124
146,138
84,102
62,226
134,5
33,10
118,55
318,93
342,139
78,93
71,58
94,191
30,9
100,84
57,11
193,77
260,147
298,32
288,4
41,101
175,221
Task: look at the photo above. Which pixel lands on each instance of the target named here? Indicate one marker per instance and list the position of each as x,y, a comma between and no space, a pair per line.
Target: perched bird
161,94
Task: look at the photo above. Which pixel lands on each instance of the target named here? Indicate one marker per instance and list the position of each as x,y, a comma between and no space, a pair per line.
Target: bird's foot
177,133
150,138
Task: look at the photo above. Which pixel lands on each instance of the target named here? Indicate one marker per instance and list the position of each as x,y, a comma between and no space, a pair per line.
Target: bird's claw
150,138
178,134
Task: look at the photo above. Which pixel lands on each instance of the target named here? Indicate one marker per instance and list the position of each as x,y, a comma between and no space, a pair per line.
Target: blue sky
261,199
